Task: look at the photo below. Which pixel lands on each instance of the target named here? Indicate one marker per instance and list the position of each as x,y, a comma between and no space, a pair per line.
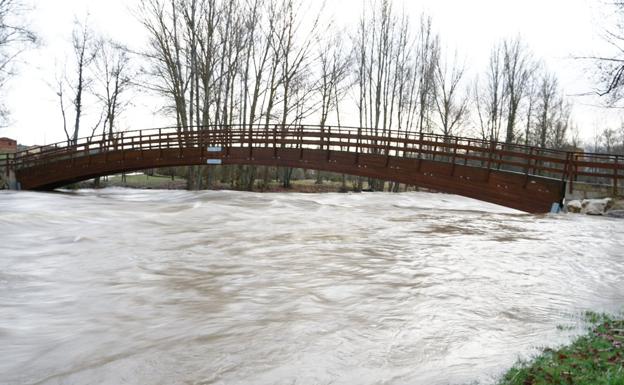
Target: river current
171,287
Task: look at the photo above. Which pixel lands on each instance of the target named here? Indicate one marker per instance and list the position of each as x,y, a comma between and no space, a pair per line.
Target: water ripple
171,287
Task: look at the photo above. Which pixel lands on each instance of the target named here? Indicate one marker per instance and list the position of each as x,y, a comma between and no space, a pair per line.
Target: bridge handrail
528,159
389,133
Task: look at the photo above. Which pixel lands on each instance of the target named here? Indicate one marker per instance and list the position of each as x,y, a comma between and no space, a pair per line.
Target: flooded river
169,287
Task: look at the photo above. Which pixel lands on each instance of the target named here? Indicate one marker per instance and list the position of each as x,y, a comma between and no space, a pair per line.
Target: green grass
594,359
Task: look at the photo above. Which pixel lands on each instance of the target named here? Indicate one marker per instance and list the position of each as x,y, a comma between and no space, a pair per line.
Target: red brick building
7,145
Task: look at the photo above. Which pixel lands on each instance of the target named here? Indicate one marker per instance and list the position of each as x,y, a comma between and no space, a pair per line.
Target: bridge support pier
13,182
8,180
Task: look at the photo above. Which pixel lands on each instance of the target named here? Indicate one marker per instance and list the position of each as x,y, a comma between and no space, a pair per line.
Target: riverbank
160,182
593,359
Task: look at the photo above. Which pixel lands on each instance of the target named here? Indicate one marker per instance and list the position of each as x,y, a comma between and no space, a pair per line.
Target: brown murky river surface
164,287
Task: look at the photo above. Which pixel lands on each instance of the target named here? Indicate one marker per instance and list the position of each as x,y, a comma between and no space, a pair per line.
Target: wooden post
435,149
226,131
388,149
159,143
275,141
358,145
123,152
615,177
405,140
489,163
566,166
528,167
250,141
454,156
572,170
328,143
202,146
301,142
180,154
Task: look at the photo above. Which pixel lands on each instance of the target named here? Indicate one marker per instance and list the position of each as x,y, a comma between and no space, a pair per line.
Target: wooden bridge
526,178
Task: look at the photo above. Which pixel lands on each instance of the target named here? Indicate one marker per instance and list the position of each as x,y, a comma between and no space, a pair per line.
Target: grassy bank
157,182
160,182
594,359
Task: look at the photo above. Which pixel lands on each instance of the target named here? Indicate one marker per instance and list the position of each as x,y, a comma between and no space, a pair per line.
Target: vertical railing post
328,142
435,148
201,138
275,141
301,142
566,166
564,172
160,143
180,153
141,142
358,145
490,155
454,156
527,168
250,141
123,152
388,149
226,133
615,177
572,171
405,140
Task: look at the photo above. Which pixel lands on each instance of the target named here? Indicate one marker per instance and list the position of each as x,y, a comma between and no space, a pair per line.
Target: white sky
555,30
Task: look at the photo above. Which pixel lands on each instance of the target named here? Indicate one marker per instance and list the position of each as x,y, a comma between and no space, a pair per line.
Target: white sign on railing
214,161
215,149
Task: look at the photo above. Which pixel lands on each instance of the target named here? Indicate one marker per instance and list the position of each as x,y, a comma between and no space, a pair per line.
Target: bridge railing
565,165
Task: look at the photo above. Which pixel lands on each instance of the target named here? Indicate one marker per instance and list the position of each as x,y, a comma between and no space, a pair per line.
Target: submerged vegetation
593,359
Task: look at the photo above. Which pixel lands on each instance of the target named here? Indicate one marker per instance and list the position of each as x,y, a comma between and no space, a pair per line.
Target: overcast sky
556,30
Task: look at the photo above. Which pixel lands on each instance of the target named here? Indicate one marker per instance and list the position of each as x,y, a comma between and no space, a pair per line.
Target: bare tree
561,125
530,109
15,37
84,51
547,101
294,54
451,103
113,78
429,53
609,140
334,65
610,68
575,138
395,72
490,97
518,67
162,20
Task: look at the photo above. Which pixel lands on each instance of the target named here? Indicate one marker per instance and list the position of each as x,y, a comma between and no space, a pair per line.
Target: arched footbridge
526,178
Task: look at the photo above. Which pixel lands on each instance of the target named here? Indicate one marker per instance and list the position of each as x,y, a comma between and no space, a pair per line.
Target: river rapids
121,286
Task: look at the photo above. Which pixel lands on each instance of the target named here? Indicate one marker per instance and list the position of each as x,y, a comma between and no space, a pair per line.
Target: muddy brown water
167,287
